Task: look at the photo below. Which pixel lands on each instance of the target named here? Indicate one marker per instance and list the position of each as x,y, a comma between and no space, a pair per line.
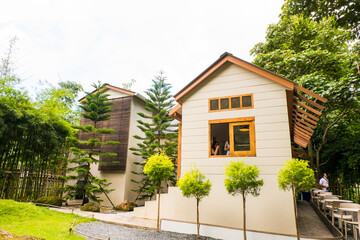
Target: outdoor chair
342,217
322,197
334,208
314,194
355,224
327,205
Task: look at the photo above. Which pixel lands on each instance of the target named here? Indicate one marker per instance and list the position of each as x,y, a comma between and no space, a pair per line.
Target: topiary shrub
51,200
91,207
126,206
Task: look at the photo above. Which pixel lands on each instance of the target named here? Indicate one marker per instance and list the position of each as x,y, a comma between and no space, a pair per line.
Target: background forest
316,44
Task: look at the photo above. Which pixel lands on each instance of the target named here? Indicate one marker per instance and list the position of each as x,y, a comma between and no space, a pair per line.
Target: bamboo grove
32,144
33,134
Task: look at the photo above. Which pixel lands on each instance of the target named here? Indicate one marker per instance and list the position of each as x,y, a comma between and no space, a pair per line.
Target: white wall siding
273,148
270,112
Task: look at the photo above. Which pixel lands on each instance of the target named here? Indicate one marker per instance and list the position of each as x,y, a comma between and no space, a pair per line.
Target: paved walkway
310,224
121,218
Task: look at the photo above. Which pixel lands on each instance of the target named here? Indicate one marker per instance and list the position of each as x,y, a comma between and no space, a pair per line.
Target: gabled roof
125,91
228,57
301,109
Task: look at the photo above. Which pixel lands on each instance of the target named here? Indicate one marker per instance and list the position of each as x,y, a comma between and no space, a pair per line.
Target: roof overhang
125,91
176,112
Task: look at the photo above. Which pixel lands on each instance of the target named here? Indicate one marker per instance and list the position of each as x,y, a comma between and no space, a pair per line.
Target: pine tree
96,108
160,133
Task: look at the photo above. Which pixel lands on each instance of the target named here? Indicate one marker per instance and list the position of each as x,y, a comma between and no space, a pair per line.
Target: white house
259,113
123,120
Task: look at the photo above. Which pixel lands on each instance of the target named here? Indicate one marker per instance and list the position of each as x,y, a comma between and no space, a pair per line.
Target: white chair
327,205
345,217
355,224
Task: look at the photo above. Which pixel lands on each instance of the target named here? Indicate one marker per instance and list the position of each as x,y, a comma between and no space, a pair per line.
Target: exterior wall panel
273,148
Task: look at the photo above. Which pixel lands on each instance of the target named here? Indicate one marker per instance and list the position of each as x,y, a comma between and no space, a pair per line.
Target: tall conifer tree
96,108
160,133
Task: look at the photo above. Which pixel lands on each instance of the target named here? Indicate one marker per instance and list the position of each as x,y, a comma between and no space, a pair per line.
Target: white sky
115,41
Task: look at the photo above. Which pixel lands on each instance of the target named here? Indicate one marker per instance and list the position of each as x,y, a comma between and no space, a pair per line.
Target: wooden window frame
230,108
243,121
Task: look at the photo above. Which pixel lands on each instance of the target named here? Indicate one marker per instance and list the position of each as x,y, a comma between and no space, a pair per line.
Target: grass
27,219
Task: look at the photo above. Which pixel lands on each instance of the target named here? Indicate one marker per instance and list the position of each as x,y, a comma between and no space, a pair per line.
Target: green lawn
27,219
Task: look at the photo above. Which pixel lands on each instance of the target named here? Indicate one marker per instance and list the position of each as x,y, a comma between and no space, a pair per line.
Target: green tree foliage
160,134
96,108
296,176
321,58
32,141
61,100
128,85
345,12
193,184
243,179
158,168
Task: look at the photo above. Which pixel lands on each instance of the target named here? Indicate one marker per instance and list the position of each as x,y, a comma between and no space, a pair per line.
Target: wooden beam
305,118
301,143
307,114
298,87
177,116
304,135
302,130
301,97
308,108
304,122
304,126
262,72
300,139
178,159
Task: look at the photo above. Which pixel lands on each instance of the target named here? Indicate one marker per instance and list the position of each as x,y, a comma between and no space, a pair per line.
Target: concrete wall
136,107
272,211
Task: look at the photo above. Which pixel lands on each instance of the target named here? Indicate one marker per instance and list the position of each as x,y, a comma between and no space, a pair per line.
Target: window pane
224,103
219,136
235,102
214,104
246,101
241,137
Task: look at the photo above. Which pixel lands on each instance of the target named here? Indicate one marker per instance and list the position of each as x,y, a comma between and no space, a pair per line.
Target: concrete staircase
149,210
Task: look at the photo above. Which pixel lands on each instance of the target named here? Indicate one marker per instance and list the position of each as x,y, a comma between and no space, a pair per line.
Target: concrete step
139,211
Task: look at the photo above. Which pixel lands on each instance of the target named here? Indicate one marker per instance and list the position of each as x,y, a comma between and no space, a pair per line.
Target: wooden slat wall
304,122
120,122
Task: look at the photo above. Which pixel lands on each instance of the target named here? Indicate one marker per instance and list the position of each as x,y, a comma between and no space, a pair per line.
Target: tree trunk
158,212
323,141
295,213
244,216
197,217
311,154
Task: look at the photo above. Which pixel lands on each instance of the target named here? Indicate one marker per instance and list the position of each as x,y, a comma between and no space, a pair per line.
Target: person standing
324,182
227,148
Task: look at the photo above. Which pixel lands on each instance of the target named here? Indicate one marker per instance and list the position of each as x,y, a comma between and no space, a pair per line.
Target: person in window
227,148
215,148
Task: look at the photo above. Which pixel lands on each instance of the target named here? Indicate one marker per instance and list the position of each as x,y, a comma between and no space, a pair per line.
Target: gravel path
117,232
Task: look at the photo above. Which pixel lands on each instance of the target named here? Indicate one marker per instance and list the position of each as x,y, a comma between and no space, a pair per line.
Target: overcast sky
115,41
